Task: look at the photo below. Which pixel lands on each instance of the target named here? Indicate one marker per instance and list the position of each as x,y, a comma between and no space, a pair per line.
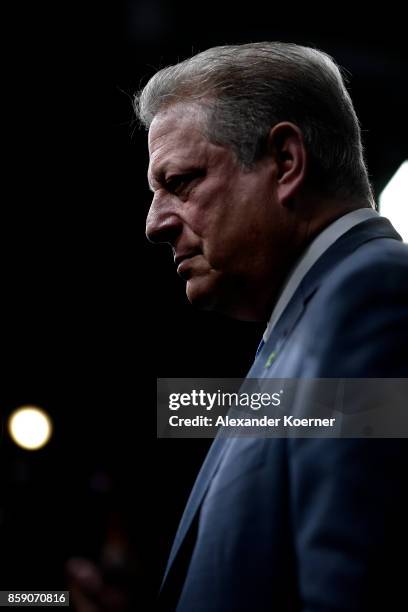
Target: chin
205,292
200,294
212,296
215,294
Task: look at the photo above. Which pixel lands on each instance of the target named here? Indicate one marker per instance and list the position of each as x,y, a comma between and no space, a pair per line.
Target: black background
92,313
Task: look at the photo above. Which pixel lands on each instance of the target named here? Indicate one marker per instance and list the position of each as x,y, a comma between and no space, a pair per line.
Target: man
260,187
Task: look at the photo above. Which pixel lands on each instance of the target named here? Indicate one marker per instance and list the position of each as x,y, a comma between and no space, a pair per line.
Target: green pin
270,359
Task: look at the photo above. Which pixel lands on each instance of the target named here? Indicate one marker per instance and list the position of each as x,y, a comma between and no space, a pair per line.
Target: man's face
228,233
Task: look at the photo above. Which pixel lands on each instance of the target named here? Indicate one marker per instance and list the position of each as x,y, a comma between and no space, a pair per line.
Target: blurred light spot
30,427
394,201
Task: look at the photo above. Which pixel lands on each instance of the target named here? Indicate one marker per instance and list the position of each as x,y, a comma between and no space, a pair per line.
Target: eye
178,182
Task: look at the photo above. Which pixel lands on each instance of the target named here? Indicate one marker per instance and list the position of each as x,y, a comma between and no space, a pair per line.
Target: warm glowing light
394,201
30,427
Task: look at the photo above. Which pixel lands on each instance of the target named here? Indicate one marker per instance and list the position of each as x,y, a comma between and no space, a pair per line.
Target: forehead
176,136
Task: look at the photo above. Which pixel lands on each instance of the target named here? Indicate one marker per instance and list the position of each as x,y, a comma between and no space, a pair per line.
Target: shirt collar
313,252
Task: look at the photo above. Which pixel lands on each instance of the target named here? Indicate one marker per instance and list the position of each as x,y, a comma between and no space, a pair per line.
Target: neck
320,214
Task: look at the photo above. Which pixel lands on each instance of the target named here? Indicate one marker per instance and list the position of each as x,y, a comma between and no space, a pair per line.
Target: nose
162,223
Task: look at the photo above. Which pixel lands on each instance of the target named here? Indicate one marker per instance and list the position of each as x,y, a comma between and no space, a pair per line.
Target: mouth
182,263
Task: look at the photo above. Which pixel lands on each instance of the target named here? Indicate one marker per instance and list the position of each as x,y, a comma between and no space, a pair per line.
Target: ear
287,147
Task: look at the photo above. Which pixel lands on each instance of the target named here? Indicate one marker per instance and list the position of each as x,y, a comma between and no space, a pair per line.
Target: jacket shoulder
358,319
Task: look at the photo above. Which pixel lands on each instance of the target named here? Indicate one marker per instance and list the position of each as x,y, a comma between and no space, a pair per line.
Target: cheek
220,218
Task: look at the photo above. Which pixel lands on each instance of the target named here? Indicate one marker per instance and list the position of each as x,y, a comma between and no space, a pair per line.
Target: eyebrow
159,179
157,175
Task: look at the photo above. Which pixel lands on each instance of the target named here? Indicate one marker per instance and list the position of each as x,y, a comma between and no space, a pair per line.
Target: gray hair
244,90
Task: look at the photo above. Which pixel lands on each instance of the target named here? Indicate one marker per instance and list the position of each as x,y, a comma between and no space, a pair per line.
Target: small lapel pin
270,360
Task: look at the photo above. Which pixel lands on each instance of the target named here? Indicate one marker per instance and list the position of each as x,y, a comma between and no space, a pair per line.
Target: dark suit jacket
313,525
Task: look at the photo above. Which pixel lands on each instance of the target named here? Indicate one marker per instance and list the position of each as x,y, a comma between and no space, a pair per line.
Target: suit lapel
276,340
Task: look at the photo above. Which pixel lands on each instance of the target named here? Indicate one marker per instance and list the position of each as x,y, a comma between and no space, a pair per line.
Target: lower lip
183,265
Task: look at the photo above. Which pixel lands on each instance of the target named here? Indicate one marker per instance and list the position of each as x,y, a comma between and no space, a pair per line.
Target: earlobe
288,150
